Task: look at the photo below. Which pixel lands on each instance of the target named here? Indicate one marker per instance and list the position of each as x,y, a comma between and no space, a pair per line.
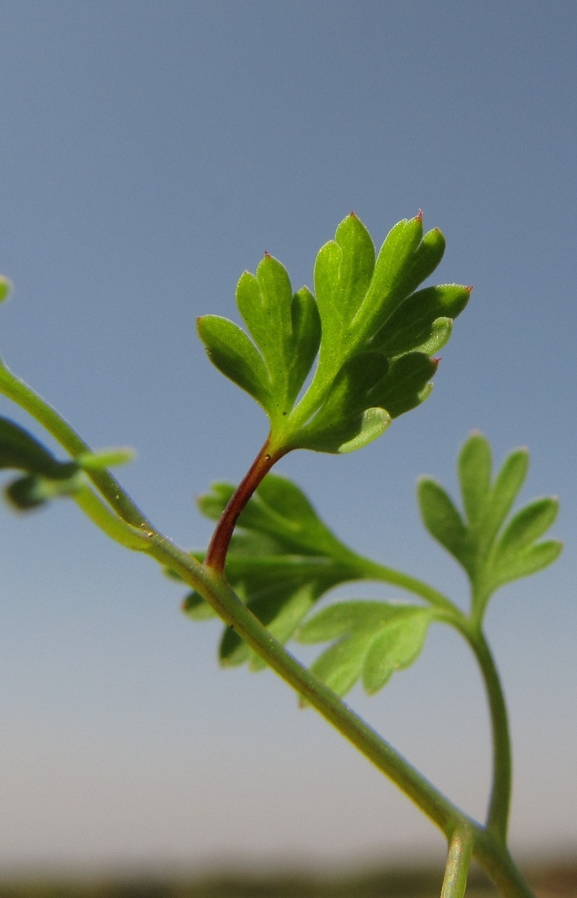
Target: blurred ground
552,880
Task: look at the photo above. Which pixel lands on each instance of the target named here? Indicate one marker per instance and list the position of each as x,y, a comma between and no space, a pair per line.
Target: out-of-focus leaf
282,559
443,520
105,458
527,562
489,559
504,491
474,466
5,288
45,476
34,490
526,527
21,451
373,640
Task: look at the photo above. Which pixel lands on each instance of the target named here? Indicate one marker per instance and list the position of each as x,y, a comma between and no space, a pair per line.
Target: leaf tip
419,215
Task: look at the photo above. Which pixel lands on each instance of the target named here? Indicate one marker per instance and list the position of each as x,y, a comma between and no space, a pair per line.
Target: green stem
229,607
110,523
135,531
373,571
500,801
24,396
490,852
458,863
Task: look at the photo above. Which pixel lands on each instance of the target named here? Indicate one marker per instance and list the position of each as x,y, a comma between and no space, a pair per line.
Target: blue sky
150,152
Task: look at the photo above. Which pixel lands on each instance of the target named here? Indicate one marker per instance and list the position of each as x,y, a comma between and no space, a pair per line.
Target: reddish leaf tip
267,255
352,214
469,289
419,215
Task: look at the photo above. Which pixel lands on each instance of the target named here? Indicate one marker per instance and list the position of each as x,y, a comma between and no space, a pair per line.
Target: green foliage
373,334
373,640
282,559
5,287
45,477
491,553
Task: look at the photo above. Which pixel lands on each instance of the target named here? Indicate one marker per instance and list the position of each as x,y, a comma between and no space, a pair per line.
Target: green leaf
443,521
474,466
5,288
20,450
47,478
34,490
405,384
340,419
105,458
406,258
373,640
527,562
490,561
413,326
373,423
282,559
505,490
231,351
342,276
195,607
365,315
306,332
265,304
527,526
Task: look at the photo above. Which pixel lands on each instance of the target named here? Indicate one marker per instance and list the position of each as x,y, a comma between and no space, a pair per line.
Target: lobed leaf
527,562
504,491
405,384
413,325
343,271
490,561
474,467
365,319
406,258
373,640
306,333
340,417
526,527
443,521
282,559
231,351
